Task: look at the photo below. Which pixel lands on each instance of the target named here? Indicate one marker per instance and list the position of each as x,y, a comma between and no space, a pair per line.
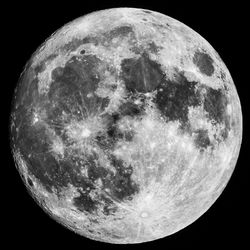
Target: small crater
144,214
30,182
82,52
147,11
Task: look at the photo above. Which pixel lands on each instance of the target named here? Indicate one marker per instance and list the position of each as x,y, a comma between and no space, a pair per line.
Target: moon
126,126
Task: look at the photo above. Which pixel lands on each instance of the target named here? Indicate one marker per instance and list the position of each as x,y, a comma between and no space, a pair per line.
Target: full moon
125,126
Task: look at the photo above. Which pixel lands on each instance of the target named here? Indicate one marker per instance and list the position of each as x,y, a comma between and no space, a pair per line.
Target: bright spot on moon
144,214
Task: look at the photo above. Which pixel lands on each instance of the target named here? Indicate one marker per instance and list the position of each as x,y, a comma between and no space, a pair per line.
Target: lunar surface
125,125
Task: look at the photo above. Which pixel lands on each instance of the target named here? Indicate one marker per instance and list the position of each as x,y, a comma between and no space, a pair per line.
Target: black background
223,26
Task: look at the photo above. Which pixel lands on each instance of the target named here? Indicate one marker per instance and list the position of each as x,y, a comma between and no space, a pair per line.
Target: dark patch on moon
82,52
141,75
153,48
202,140
37,166
30,182
72,84
84,202
42,65
130,109
90,39
228,126
215,104
108,138
94,169
114,134
204,62
109,207
75,43
147,11
121,185
173,98
120,31
66,75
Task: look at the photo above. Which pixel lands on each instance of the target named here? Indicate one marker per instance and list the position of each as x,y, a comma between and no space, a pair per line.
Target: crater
204,62
144,214
147,11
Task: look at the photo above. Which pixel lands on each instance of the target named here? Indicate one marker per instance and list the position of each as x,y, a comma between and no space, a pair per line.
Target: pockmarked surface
126,125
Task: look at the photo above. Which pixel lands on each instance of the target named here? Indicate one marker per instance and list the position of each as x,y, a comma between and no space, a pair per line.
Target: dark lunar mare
215,104
173,98
153,48
120,184
68,95
202,139
204,62
120,31
141,75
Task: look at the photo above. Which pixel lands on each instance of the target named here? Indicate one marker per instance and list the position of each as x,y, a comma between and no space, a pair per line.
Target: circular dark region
141,75
204,62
